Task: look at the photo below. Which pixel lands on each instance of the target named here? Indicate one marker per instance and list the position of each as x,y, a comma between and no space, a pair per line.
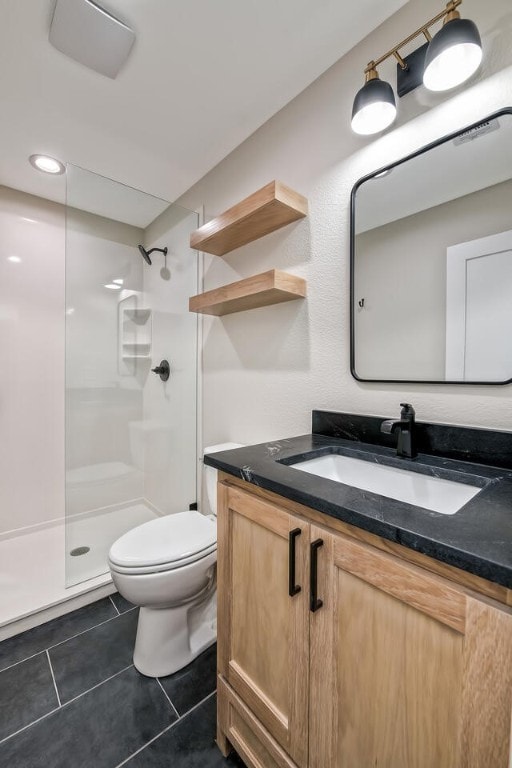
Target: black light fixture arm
450,12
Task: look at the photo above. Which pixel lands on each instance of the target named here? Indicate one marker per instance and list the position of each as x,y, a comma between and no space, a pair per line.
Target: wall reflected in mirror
431,261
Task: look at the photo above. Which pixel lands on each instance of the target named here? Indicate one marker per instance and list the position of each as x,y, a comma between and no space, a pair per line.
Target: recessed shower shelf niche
134,350
139,316
135,335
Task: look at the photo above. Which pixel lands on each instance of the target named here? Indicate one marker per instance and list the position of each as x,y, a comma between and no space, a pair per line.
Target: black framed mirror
431,262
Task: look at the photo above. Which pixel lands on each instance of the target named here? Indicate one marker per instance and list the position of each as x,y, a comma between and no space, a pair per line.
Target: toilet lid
172,540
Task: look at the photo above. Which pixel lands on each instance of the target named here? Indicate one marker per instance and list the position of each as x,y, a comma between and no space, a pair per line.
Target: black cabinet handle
314,602
293,588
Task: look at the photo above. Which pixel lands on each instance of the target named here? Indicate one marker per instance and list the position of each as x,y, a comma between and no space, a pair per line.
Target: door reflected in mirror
431,262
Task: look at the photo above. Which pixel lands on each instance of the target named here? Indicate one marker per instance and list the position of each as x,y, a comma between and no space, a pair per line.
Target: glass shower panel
130,437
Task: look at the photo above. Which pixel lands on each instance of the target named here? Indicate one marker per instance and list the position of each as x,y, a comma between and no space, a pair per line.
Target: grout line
167,697
115,606
112,618
62,706
140,749
79,696
53,678
49,648
198,704
29,725
169,727
15,664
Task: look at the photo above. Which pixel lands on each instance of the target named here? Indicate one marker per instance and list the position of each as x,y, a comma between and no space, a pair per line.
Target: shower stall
129,399
130,433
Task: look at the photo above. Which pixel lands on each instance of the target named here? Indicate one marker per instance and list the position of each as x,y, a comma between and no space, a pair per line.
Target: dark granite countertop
477,538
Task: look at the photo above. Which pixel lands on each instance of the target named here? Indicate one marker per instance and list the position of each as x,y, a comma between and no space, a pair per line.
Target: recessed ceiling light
118,280
113,286
46,164
14,259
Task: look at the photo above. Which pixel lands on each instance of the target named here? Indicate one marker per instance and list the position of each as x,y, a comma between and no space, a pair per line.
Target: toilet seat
164,544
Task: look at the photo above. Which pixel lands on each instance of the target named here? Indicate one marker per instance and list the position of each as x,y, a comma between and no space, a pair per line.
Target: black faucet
406,445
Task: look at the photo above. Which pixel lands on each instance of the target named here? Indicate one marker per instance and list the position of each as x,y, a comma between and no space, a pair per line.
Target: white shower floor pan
34,562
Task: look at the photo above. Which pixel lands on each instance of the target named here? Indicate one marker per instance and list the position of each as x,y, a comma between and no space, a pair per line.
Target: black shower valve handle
163,370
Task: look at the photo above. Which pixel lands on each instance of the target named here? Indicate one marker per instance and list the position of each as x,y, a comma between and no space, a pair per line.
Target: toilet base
170,638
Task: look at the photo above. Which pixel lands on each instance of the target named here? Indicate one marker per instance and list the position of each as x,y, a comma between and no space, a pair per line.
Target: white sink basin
432,493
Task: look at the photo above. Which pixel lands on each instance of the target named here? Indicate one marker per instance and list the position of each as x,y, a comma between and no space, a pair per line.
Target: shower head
145,254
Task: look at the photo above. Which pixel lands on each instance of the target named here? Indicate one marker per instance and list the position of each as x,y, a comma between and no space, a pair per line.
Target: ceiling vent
89,34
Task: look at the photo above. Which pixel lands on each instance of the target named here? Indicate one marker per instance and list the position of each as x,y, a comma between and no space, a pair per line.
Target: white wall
32,355
170,407
265,370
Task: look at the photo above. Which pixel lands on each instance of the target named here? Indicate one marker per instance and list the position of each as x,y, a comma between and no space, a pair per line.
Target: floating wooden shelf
270,287
268,209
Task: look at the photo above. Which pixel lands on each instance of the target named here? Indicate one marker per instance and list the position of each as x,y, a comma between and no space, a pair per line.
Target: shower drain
79,551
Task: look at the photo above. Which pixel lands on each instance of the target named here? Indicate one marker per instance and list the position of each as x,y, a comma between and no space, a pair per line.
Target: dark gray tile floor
26,693
188,743
40,638
109,647
186,687
71,698
121,603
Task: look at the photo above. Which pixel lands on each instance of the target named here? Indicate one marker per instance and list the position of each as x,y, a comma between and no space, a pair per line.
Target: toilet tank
210,474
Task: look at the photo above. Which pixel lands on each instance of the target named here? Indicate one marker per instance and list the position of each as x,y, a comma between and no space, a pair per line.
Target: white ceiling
202,76
447,172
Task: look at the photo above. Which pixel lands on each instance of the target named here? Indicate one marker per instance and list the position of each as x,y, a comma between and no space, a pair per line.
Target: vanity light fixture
443,62
46,164
112,286
374,105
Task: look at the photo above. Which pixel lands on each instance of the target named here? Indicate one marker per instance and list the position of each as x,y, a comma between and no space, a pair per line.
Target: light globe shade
453,55
374,107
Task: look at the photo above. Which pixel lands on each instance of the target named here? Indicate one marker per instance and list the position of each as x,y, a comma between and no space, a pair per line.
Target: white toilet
167,566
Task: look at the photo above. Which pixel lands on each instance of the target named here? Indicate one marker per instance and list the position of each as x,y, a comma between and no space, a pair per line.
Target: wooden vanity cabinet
394,666
419,670
263,647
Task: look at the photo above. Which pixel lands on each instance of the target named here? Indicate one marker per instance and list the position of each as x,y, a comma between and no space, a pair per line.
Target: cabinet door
421,672
263,630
